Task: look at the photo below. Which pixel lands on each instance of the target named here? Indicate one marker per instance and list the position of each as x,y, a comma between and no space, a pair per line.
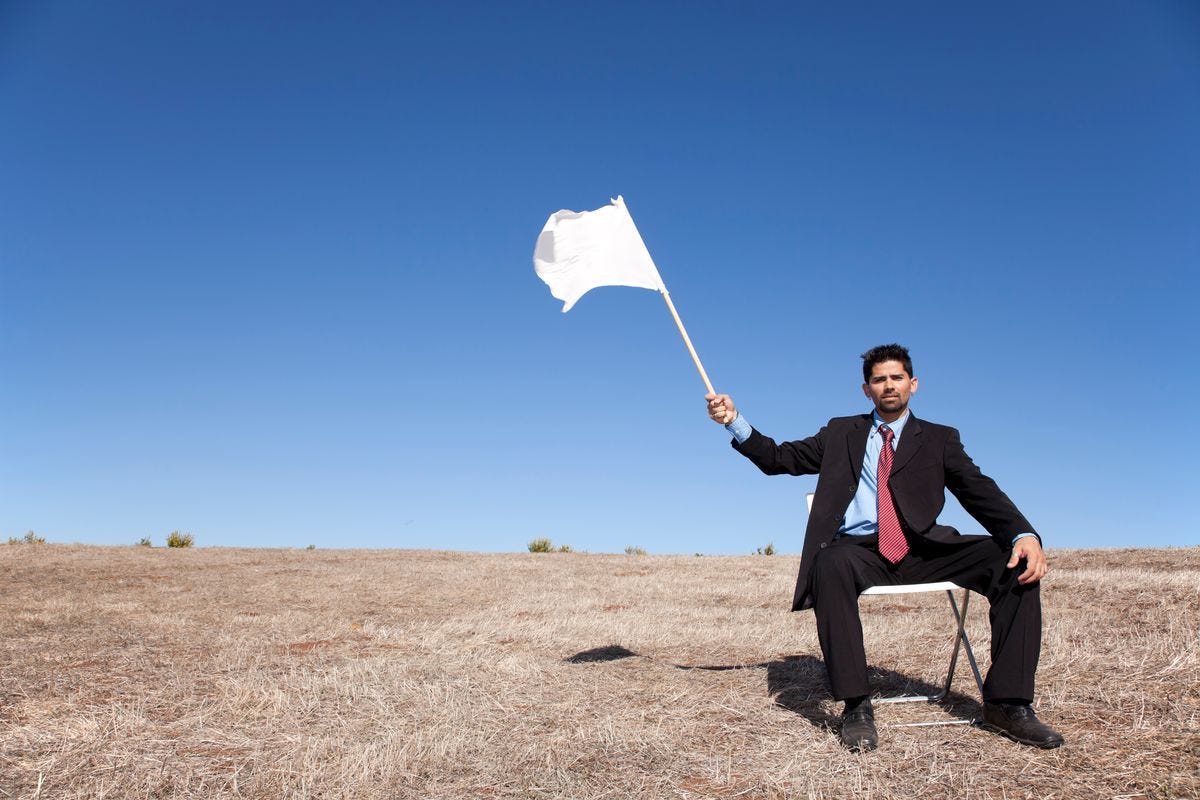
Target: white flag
580,250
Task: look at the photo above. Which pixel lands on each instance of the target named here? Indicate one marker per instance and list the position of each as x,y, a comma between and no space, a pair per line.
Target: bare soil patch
137,672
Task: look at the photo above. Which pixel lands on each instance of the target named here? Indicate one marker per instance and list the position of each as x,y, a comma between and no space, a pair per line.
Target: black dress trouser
851,564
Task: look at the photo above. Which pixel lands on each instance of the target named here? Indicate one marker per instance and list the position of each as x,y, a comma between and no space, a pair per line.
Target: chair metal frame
960,640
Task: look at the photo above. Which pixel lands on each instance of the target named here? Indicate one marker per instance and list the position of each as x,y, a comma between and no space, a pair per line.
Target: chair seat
907,588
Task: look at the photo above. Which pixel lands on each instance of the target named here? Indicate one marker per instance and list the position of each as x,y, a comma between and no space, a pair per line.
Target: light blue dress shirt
862,515
863,512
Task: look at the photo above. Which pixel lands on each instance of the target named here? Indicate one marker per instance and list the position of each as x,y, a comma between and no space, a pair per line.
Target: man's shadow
798,683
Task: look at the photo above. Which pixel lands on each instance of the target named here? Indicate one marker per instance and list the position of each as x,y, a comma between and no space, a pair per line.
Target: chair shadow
799,684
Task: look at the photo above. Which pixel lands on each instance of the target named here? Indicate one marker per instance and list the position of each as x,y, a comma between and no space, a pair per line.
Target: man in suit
881,485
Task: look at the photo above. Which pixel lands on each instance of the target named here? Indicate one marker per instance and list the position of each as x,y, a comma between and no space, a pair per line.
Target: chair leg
960,639
961,619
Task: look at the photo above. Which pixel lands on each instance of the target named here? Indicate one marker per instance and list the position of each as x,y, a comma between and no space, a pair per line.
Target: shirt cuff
740,429
1014,541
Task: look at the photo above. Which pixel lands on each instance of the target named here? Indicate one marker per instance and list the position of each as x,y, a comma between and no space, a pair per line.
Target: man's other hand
1030,549
720,408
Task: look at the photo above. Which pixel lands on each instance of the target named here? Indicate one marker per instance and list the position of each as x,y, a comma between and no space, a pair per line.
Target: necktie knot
887,434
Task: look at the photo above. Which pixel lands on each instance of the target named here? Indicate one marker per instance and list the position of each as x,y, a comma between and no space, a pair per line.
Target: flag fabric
580,250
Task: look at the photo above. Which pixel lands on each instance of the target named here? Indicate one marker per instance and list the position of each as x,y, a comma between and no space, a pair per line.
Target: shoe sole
987,726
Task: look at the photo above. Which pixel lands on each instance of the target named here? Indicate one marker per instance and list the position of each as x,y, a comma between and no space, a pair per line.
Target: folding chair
960,638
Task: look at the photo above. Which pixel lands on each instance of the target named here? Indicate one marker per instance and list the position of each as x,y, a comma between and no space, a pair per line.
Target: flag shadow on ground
611,652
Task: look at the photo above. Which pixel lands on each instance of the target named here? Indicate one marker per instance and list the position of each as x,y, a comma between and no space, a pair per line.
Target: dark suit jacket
929,460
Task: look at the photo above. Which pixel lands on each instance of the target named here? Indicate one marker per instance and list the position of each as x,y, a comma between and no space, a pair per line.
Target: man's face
889,388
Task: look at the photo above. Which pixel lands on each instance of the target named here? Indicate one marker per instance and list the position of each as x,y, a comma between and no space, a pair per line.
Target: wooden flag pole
686,340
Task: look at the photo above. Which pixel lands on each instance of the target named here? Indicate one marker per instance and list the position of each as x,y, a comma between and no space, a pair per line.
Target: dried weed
138,672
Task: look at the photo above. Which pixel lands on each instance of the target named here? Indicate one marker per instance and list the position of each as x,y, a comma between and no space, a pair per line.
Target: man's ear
914,385
866,392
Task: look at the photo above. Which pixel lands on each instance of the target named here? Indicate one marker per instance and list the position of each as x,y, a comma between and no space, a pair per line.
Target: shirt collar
897,426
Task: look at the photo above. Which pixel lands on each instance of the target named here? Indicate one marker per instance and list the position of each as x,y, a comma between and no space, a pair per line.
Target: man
881,485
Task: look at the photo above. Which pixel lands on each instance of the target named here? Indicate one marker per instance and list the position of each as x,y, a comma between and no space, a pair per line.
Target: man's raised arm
790,458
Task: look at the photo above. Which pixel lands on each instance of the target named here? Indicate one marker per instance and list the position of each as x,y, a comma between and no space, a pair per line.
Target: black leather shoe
858,729
1019,723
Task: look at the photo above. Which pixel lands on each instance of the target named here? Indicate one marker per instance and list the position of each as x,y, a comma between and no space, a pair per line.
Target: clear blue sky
265,268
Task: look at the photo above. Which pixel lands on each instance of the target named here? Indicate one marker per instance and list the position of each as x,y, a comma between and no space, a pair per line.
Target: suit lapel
856,440
910,443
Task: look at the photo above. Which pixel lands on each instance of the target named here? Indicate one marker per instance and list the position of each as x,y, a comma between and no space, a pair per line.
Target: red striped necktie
892,544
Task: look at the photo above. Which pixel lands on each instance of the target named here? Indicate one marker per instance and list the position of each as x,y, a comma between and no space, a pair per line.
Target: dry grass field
138,672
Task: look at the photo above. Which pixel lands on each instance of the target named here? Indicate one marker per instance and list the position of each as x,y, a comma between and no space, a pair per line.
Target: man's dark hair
886,352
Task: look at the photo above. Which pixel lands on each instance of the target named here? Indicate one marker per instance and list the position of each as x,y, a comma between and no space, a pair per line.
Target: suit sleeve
801,457
980,495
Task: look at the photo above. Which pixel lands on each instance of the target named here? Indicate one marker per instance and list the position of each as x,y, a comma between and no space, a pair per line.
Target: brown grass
137,672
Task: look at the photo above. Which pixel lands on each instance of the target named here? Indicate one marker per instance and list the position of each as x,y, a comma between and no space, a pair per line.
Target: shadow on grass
612,652
798,683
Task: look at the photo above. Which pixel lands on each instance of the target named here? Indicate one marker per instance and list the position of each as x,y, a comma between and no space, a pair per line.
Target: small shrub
541,546
631,550
29,538
311,547
769,550
177,539
145,542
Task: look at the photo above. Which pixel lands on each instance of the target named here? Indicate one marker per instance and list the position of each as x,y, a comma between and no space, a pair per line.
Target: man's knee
836,563
1005,588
